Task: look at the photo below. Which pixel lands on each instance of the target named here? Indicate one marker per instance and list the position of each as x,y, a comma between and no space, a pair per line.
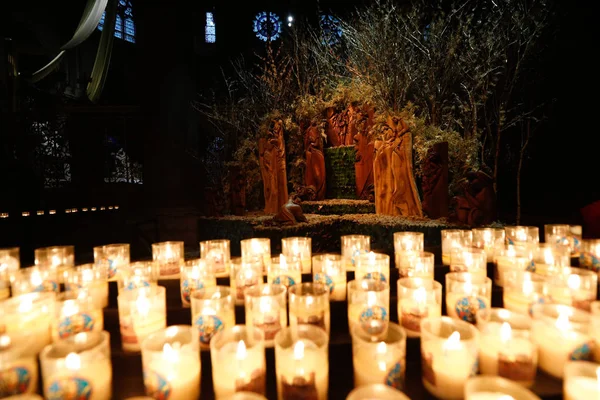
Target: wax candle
467,293
353,246
58,258
382,361
9,265
142,312
369,306
449,352
575,239
302,363
138,275
512,258
257,250
298,248
75,313
35,279
524,289
373,266
407,242
495,388
376,391
561,334
595,328
285,271
487,239
113,257
246,396
590,254
582,380
244,275
329,270
309,304
418,298
169,257
31,313
213,310
171,363
417,265
196,275
217,254
18,367
469,259
91,279
575,287
266,309
559,235
454,239
522,234
551,259
78,368
238,361
506,348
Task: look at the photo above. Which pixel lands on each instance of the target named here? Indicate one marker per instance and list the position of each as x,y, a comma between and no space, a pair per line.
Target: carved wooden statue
337,127
237,191
395,187
365,152
477,205
436,201
314,174
290,213
272,167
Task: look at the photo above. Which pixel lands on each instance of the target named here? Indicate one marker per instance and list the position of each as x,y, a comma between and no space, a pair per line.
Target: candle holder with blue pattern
373,266
196,275
369,306
352,247
329,270
467,293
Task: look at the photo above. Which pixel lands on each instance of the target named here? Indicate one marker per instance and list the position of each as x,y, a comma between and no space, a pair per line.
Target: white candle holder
418,265
560,235
257,250
217,254
418,298
58,258
523,290
522,234
590,254
466,294
488,239
196,275
18,366
506,348
137,275
575,287
113,257
454,239
353,246
285,271
75,367
171,363
266,309
493,387
582,380
376,391
9,265
309,304
380,361
302,363
449,353
238,361
75,313
329,270
561,334
373,266
35,280
31,313
469,259
511,258
551,259
142,312
244,275
299,248
369,306
407,242
169,258
91,279
213,311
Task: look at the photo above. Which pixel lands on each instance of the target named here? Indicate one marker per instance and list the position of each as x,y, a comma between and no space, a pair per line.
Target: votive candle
298,248
487,239
454,239
75,313
266,309
142,311
575,287
18,366
511,258
113,256
418,265
551,259
10,263
373,266
138,275
169,257
522,234
466,294
309,304
407,242
559,234
35,279
196,275
376,391
353,246
286,271
257,250
418,298
244,274
91,279
522,290
213,310
369,306
469,259
58,258
329,270
590,254
582,380
217,254
496,388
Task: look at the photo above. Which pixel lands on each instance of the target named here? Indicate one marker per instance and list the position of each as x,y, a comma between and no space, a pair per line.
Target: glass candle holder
266,309
238,361
418,265
582,380
196,275
113,257
285,271
407,242
376,391
75,314
551,259
590,254
257,250
10,262
353,246
369,306
329,270
575,287
493,387
142,312
558,234
487,239
522,290
213,310
382,361
511,258
309,304
217,254
454,239
31,313
299,248
506,348
35,279
418,298
246,396
18,366
58,258
466,294
449,354
522,234
595,328
576,232
169,257
373,266
75,367
244,274
561,334
302,363
91,279
138,275
171,363
469,259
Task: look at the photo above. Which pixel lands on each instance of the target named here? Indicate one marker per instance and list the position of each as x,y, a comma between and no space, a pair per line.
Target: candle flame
168,252
408,243
574,282
511,252
371,299
55,261
562,322
487,237
521,235
73,362
264,305
142,304
36,278
169,353
419,266
468,288
26,305
527,285
505,332
282,261
371,258
468,259
256,247
548,256
195,274
70,308
299,350
87,275
381,348
5,341
453,342
420,295
80,338
241,352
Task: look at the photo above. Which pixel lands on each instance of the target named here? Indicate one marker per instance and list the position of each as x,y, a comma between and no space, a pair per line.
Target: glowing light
299,350
453,343
241,352
420,295
170,354
562,322
505,332
143,305
73,362
574,282
381,350
264,305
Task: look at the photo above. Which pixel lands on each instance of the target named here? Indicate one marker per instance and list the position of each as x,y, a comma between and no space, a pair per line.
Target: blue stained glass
119,35
267,26
129,27
119,24
331,27
210,30
124,13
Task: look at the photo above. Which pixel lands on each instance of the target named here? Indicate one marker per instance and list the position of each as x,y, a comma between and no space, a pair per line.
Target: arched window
124,25
210,30
267,26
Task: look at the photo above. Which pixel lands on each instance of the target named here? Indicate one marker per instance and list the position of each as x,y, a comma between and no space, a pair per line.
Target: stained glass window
331,28
267,26
124,24
210,32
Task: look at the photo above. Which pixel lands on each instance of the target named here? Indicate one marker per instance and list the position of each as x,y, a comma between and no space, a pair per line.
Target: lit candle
257,250
574,287
582,381
285,271
590,254
417,265
196,275
18,367
522,234
406,243
368,306
57,258
595,328
466,294
418,298
496,388
213,310
487,239
91,279
299,248
468,259
141,312
309,304
244,275
522,290
329,270
512,258
352,247
137,275
9,265
169,257
551,259
373,266
454,239
217,253
376,391
35,279
113,257
76,313
266,309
